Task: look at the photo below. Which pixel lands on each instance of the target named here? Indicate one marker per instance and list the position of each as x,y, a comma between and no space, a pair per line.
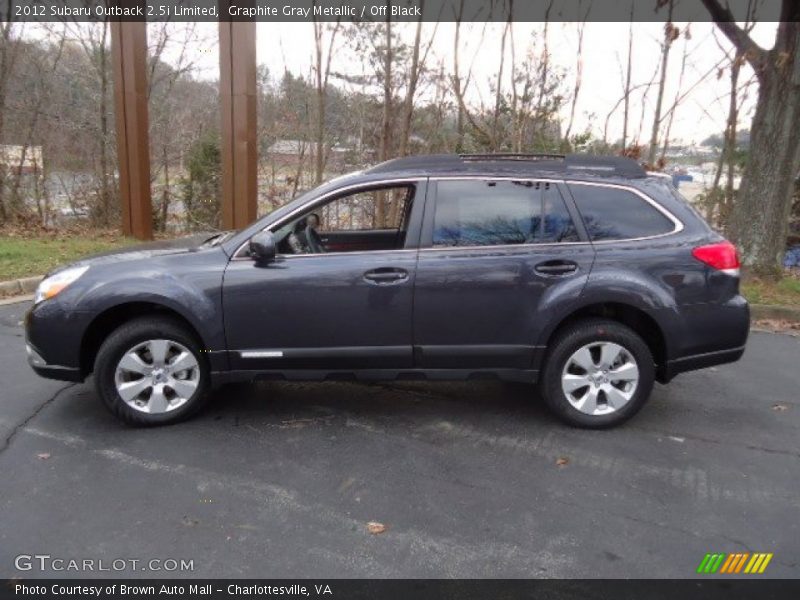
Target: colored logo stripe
735,562
758,563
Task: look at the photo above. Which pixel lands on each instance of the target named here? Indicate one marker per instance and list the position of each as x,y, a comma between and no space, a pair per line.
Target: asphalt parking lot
281,480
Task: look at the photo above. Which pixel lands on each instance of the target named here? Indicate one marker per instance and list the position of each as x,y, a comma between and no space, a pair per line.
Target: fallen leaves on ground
562,461
777,325
375,528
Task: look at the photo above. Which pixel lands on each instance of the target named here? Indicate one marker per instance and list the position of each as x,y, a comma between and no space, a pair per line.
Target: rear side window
615,214
493,213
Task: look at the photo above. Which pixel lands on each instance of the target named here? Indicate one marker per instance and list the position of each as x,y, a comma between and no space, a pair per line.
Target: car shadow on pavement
378,400
296,403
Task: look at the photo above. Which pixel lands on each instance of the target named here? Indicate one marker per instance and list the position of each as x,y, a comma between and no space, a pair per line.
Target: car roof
573,166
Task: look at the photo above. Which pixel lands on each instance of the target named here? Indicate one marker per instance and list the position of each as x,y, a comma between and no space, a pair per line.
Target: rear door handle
386,275
556,267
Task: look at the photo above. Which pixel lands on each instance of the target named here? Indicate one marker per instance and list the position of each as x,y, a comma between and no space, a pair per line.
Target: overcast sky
605,46
702,112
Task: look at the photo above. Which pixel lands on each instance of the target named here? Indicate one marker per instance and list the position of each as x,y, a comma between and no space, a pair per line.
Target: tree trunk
627,96
387,115
413,80
105,200
729,153
759,220
457,81
760,216
668,38
498,93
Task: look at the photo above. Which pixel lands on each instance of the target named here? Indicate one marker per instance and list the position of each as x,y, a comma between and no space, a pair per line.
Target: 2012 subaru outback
584,274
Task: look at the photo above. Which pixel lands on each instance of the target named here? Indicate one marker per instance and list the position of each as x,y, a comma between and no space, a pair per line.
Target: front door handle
386,275
556,267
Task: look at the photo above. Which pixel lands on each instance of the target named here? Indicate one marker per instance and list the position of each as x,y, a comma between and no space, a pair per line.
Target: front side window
617,214
384,208
493,213
369,219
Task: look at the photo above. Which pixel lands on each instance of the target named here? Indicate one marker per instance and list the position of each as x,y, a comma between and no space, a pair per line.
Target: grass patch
26,256
785,291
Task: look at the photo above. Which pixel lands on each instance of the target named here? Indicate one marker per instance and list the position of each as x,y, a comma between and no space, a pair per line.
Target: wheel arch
114,316
644,324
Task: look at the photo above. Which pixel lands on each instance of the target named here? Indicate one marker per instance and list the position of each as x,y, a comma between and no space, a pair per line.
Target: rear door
495,255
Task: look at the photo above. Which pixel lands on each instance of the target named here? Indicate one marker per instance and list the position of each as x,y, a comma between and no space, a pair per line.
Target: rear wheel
598,374
150,371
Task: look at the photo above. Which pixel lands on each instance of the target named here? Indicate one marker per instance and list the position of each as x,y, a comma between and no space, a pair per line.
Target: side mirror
262,247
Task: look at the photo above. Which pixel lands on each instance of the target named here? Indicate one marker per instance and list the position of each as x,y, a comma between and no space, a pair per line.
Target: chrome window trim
352,253
503,246
677,223
319,200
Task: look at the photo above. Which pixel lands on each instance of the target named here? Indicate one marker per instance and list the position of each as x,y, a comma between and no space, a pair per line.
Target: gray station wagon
585,275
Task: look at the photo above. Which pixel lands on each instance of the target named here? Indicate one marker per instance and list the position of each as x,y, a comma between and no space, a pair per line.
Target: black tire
569,341
125,337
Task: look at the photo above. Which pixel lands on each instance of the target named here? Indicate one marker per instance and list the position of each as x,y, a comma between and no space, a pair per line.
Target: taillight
721,256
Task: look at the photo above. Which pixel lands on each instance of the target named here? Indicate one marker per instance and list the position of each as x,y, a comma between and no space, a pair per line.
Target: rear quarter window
617,214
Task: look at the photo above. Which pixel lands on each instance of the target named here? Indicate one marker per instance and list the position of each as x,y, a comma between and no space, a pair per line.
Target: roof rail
619,166
511,156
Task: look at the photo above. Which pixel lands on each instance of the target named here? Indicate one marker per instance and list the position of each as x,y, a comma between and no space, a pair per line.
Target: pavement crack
10,437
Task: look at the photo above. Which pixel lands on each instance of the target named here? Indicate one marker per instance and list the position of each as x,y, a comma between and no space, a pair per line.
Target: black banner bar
219,589
370,10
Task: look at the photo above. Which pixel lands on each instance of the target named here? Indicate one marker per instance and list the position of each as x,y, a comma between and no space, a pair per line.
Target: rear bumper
701,361
709,334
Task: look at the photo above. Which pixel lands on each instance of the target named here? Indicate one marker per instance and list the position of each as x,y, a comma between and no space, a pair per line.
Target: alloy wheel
600,378
157,376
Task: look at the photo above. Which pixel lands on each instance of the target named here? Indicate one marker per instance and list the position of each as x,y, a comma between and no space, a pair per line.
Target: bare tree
760,215
581,25
722,203
627,88
414,73
671,33
671,116
93,38
498,93
322,68
9,45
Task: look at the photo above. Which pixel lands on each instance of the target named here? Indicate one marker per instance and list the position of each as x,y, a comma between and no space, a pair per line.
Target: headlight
52,286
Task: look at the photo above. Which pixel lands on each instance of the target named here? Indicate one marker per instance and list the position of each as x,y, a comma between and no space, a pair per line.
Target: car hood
180,245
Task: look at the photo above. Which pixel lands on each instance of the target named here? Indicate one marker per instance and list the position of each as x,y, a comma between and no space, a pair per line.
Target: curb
15,287
775,311
15,299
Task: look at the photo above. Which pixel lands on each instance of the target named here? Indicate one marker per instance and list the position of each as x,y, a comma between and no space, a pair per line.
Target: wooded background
58,161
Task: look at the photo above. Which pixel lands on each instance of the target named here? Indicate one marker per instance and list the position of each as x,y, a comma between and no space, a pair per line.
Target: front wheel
598,374
150,371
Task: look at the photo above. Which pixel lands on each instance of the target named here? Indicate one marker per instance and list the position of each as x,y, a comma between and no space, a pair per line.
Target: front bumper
53,336
40,366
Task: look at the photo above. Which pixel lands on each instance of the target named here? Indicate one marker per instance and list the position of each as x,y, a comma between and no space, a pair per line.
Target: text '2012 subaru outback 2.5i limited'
586,275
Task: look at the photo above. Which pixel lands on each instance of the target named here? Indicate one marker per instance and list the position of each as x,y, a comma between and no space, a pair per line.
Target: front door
495,253
335,309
